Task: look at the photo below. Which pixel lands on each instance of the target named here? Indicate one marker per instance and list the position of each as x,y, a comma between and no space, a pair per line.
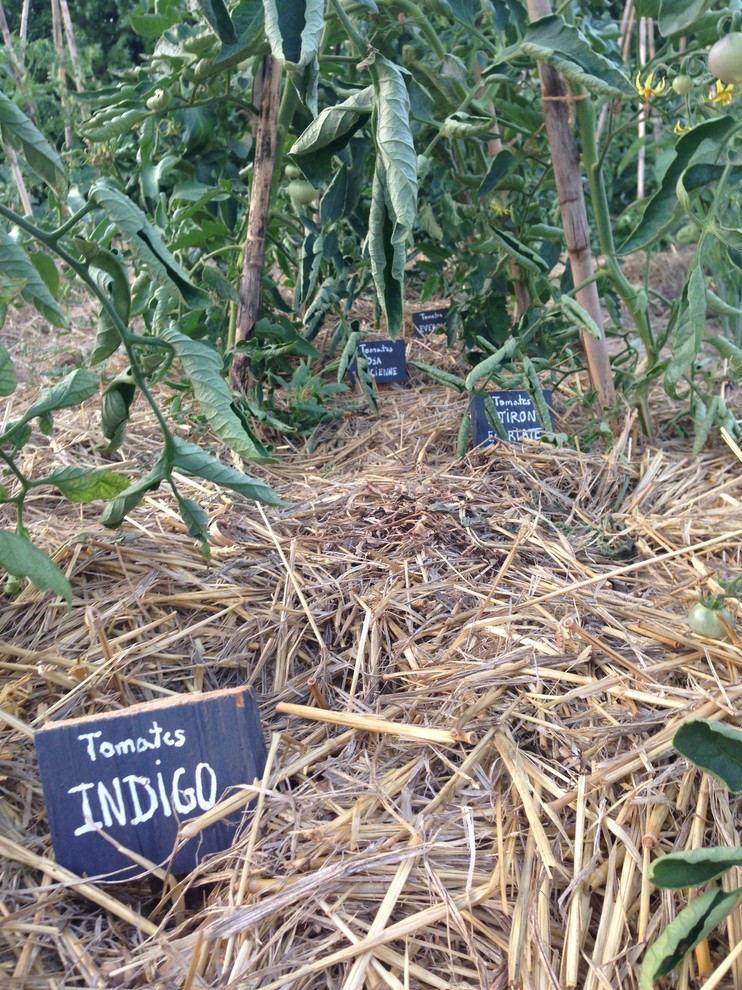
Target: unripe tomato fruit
302,191
292,171
158,101
705,618
725,58
682,84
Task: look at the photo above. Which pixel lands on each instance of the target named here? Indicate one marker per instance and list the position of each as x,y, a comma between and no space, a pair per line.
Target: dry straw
470,673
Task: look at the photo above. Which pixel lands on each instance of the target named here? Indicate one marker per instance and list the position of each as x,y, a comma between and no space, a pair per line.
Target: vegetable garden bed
531,601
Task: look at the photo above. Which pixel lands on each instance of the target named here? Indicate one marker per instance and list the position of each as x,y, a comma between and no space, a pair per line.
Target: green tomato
302,191
682,84
725,58
708,618
292,171
158,101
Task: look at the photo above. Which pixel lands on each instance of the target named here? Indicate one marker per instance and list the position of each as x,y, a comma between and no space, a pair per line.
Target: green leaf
550,39
115,405
196,520
85,485
21,558
74,388
330,132
153,25
248,20
294,29
194,460
715,748
701,146
687,336
16,266
684,933
218,17
204,368
491,363
112,122
17,131
109,273
394,192
677,16
8,379
218,281
440,376
580,317
691,869
119,507
146,244
521,253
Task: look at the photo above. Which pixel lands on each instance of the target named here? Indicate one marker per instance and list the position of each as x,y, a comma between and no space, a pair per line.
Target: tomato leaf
8,379
85,485
294,29
192,459
146,244
687,336
684,933
715,748
20,133
204,366
114,513
701,146
550,39
690,869
16,266
21,558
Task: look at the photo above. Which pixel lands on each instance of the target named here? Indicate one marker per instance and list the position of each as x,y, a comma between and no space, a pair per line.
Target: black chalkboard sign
516,413
428,320
137,774
386,360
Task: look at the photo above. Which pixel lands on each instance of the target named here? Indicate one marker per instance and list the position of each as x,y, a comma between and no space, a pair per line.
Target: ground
530,601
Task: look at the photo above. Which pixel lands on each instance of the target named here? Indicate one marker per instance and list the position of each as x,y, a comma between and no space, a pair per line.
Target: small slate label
386,360
517,415
137,774
428,320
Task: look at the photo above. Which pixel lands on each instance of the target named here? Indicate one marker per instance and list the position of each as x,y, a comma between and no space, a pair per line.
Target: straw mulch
494,655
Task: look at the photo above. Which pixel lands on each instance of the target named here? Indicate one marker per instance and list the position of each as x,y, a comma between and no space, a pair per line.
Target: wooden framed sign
428,320
386,360
515,411
136,775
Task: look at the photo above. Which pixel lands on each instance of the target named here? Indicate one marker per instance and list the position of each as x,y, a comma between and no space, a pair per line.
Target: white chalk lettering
141,816
184,807
87,812
205,803
90,736
107,805
124,747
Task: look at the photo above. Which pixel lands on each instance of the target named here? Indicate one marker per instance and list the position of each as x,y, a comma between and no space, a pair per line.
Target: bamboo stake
17,70
251,285
71,44
641,160
565,159
61,72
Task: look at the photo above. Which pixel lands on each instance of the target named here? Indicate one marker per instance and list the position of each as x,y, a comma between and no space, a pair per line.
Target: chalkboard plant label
427,321
516,413
138,774
386,360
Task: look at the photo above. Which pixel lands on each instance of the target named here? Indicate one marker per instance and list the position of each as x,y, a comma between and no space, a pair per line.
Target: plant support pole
251,284
568,177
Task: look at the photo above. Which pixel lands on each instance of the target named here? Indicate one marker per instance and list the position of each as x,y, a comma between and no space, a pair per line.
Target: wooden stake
251,286
565,159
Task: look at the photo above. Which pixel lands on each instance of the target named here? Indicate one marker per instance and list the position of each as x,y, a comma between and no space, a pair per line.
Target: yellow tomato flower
499,210
646,90
723,95
680,128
